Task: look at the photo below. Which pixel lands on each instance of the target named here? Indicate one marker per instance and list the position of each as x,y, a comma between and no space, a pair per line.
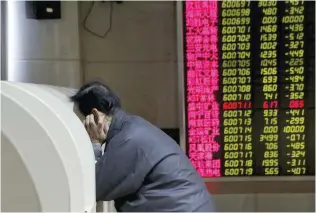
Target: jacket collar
118,118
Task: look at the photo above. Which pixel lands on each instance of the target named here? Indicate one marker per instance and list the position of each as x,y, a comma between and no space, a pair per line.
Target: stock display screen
249,70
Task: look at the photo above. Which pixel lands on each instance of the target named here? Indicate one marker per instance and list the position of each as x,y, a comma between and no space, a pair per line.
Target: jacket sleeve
120,171
97,149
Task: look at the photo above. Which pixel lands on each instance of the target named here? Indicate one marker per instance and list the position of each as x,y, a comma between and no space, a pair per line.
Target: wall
263,194
45,51
137,58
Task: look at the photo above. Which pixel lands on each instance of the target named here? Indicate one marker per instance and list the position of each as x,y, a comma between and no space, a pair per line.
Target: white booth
47,162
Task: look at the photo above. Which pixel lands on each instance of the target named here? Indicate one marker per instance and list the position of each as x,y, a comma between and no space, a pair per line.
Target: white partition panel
53,147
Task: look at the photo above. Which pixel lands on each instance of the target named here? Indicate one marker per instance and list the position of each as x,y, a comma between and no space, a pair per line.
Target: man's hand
95,126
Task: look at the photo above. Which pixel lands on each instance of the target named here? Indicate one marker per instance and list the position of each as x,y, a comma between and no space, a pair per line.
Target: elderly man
142,168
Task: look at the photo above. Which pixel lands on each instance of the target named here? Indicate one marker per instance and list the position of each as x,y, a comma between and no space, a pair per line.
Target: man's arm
120,171
97,149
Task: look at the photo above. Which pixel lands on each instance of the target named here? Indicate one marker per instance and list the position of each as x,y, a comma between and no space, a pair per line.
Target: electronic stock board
249,84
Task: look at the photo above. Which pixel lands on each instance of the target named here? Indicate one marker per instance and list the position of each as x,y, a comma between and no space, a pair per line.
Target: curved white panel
13,166
54,144
38,153
62,93
76,130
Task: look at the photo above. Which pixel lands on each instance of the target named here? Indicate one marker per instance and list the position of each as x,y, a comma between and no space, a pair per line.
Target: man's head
96,95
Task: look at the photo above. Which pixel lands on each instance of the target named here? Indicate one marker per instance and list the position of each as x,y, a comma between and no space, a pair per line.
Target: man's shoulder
148,136
140,132
132,128
135,123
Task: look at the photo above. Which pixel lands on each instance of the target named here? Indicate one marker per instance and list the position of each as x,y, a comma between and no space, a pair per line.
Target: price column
202,85
236,88
269,76
294,129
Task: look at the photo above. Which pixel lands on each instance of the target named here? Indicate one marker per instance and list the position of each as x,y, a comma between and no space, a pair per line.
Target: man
142,168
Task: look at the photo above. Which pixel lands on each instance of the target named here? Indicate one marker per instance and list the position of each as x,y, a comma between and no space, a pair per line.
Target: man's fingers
86,122
95,129
99,118
101,121
91,121
96,116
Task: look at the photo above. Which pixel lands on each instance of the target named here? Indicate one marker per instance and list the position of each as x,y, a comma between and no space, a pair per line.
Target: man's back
171,183
142,169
